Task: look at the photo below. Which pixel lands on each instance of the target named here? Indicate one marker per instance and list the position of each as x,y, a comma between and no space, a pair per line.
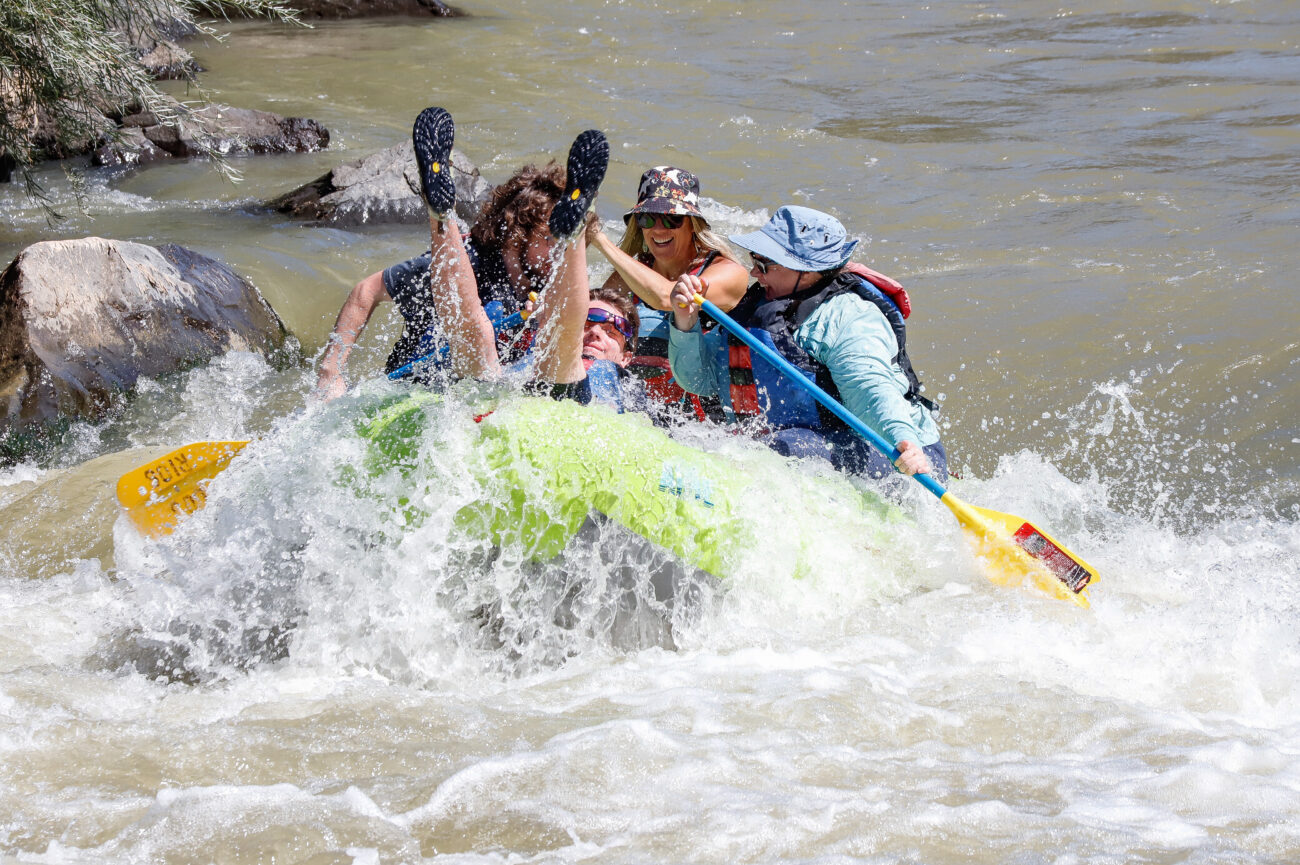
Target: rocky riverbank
82,321
117,135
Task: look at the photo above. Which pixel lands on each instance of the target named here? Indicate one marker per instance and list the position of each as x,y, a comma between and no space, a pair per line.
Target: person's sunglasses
761,263
667,220
596,315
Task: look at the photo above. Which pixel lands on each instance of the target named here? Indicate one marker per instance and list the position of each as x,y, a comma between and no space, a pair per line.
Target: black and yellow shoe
588,159
432,136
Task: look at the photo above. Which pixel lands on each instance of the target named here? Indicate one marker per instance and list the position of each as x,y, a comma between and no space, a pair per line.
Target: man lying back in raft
839,323
609,345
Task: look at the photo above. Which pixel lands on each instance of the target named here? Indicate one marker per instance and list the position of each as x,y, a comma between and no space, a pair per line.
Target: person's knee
938,461
854,456
799,443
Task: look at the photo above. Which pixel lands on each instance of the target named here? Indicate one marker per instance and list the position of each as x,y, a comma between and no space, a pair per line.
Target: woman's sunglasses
596,315
667,220
761,263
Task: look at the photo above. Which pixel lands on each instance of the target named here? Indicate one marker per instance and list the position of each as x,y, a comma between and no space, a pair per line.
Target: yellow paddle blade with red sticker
161,493
1014,551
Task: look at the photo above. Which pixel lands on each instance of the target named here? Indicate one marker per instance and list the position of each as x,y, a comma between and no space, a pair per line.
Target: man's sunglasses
596,315
667,220
761,263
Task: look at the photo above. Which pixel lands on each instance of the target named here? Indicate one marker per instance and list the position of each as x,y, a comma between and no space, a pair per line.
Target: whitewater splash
322,647
315,517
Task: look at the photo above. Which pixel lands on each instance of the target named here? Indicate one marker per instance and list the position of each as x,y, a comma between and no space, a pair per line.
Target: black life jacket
775,323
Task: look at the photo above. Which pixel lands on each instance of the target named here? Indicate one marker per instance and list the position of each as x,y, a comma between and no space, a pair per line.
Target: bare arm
365,296
643,281
727,278
726,281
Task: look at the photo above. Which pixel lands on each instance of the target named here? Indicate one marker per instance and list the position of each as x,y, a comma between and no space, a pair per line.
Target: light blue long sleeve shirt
846,334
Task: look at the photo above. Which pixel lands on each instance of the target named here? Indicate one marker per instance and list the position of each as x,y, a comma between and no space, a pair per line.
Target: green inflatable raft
551,464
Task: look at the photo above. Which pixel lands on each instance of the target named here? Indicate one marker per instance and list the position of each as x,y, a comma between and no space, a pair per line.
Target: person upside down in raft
509,249
569,323
838,322
667,236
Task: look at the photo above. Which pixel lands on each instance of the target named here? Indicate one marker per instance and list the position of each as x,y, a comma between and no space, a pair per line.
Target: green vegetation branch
67,66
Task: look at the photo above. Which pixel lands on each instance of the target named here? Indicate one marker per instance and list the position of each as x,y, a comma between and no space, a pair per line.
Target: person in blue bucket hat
841,323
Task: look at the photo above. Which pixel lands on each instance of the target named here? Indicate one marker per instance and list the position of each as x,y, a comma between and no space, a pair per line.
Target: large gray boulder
146,137
381,188
82,320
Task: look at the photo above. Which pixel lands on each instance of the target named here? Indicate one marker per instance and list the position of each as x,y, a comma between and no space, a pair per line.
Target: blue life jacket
513,338
605,378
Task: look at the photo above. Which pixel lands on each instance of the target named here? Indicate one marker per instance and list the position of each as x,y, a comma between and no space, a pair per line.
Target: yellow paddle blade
159,494
1014,550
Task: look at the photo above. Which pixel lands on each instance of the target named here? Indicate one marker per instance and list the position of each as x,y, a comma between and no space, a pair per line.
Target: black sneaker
588,159
432,136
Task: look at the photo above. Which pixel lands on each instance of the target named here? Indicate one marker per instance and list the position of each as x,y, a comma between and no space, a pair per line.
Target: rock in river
366,8
82,320
146,137
381,188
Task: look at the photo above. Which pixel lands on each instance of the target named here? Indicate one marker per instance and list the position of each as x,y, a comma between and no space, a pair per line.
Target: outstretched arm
357,309
630,274
727,278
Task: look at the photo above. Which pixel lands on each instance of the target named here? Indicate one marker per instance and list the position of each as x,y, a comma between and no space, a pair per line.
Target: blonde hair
706,241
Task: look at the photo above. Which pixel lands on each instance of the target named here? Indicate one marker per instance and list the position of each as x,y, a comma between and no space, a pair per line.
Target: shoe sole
432,137
588,159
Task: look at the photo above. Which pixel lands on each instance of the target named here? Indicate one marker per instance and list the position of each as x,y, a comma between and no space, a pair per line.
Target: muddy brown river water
1095,211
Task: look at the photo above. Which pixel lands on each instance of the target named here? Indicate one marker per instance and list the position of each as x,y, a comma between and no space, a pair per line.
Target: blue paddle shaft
795,375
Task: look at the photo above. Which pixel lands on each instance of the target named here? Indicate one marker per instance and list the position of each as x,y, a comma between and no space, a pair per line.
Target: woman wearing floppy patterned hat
666,237
839,322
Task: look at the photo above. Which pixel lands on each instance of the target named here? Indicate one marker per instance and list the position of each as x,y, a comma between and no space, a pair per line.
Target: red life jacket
661,387
892,288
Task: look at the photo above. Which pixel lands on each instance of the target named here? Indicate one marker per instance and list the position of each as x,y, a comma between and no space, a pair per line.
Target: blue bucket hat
800,238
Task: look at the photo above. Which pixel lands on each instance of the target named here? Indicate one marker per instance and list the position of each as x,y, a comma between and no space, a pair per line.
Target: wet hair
625,303
706,241
518,208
